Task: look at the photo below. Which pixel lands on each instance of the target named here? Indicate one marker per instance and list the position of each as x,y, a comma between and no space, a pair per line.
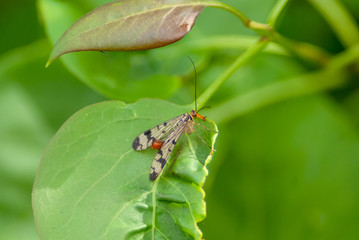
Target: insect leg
212,149
198,124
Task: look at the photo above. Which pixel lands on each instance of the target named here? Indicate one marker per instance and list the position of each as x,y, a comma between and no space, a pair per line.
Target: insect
174,128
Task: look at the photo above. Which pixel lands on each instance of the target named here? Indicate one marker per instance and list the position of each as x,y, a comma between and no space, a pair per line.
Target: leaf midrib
154,190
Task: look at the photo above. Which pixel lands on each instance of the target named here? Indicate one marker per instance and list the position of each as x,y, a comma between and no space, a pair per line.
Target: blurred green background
288,170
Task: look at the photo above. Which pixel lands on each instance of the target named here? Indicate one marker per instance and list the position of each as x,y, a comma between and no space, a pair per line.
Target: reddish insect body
157,144
195,114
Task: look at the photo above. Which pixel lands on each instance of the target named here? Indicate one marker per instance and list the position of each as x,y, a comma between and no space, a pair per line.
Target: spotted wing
146,139
169,143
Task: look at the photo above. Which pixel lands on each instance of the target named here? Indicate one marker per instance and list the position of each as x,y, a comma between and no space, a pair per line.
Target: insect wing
169,143
146,139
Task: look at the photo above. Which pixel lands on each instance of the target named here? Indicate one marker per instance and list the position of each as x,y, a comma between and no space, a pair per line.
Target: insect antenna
195,84
203,108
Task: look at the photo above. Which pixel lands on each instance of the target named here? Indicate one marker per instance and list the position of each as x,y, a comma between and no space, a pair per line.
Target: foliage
91,184
283,91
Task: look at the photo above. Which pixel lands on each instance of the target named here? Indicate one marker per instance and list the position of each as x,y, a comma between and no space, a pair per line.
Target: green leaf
130,25
91,184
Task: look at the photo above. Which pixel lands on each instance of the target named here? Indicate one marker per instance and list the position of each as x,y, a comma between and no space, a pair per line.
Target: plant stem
210,43
273,93
303,50
339,19
346,58
242,59
330,77
232,10
276,11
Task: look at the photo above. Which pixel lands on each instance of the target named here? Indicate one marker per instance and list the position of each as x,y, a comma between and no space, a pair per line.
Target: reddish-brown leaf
129,25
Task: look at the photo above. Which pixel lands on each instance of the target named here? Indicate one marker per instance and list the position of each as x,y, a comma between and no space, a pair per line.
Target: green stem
346,58
339,19
302,50
276,11
211,43
242,59
332,76
232,10
261,28
273,93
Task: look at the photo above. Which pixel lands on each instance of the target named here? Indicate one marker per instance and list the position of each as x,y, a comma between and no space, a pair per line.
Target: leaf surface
91,184
127,76
130,25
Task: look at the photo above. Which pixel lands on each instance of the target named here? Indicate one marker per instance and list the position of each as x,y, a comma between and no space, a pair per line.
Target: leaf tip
53,56
48,63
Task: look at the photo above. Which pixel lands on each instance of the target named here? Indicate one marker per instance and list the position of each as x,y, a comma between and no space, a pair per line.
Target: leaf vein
184,196
120,210
93,185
